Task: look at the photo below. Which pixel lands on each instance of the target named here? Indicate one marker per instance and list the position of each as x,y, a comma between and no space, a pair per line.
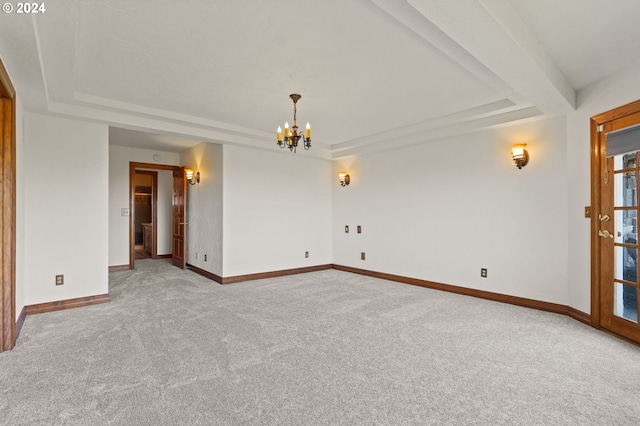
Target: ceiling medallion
292,137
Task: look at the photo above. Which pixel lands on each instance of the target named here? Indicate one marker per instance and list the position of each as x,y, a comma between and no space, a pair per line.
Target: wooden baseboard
273,274
20,321
496,297
118,268
579,315
66,304
164,256
204,273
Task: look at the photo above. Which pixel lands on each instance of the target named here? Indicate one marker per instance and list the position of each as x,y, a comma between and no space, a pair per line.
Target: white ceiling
372,73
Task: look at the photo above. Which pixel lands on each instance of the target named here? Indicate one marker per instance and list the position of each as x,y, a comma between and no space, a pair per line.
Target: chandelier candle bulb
279,134
286,129
308,131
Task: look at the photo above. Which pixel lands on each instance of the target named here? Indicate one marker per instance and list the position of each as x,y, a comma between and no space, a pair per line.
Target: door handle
605,234
604,217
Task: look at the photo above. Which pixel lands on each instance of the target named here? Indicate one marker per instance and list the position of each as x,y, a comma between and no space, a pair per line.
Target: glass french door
618,236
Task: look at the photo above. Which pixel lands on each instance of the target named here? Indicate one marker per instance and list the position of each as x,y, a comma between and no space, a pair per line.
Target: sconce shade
520,155
344,178
191,178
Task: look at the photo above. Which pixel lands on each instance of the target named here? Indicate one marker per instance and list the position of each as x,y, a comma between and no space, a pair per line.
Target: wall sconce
191,178
344,178
520,155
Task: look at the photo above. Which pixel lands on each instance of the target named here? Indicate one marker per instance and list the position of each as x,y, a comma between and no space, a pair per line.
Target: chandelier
292,137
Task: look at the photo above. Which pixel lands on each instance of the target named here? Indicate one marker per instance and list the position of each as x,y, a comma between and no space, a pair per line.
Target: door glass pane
626,302
626,230
625,189
625,264
625,161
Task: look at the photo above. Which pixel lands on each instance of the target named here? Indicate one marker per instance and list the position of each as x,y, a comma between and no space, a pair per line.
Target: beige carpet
324,348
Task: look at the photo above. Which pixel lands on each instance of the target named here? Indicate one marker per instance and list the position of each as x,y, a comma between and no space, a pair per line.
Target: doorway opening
145,217
150,202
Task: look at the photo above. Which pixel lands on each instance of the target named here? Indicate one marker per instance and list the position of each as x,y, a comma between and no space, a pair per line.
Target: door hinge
601,128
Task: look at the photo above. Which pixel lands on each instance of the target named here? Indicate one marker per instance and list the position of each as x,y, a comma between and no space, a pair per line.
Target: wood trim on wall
58,305
496,297
118,268
204,273
258,276
8,205
273,274
579,315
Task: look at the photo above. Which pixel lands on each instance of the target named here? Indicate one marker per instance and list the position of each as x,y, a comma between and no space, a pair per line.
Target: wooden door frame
598,153
132,175
8,222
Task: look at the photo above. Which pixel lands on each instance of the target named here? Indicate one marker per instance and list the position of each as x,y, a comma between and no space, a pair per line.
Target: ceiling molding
155,125
470,114
526,82
481,123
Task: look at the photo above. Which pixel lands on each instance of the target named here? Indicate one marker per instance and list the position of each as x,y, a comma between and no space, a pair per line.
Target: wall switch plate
359,229
125,212
59,279
362,256
346,229
587,211
306,254
197,256
483,272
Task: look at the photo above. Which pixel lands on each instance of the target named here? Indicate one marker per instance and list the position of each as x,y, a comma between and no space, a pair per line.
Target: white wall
119,159
609,93
204,207
65,208
276,206
20,218
442,211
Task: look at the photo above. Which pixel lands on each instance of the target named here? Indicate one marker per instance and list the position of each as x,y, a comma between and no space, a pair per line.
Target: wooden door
178,218
615,230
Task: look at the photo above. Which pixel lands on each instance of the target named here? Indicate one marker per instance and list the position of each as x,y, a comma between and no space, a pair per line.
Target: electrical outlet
346,229
362,256
59,279
205,257
124,212
306,254
483,272
359,229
